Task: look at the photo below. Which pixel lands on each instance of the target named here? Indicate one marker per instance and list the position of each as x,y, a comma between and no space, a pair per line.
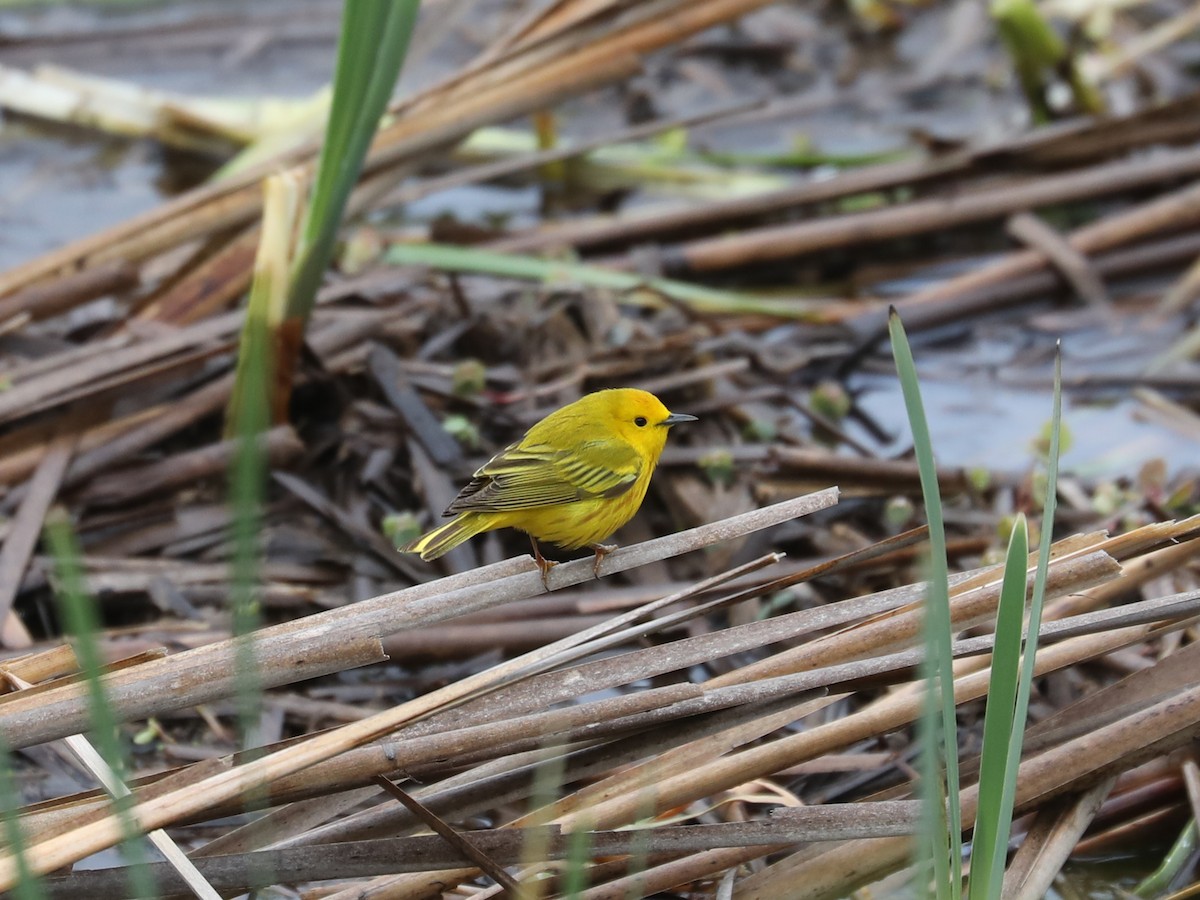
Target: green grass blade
248,472
579,847
81,622
374,41
1037,601
29,885
640,290
993,818
998,782
547,787
940,841
1159,881
249,417
352,73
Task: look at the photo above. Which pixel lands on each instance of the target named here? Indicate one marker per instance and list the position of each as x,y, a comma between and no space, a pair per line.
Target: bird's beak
675,419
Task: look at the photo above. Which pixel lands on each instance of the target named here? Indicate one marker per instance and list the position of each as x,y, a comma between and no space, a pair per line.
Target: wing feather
534,475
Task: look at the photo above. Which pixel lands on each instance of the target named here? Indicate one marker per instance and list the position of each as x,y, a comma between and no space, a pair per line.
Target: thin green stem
82,623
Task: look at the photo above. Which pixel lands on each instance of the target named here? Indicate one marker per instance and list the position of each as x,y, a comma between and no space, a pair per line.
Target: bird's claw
545,565
601,551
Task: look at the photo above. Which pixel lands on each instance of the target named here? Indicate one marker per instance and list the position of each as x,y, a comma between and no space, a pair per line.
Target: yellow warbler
574,478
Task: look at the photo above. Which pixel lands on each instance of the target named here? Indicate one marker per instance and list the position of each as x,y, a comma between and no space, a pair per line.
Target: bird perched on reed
574,478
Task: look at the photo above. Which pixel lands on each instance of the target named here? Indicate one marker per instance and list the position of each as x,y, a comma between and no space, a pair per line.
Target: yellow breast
580,524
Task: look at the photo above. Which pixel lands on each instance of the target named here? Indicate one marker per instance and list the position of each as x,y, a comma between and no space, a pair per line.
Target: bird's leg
542,563
601,551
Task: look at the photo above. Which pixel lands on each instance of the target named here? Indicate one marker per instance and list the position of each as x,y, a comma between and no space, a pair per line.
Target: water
989,396
59,184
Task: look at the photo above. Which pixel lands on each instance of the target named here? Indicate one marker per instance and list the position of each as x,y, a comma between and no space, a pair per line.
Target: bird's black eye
640,421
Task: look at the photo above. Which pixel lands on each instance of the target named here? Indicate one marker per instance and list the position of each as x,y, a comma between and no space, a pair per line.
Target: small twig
23,534
615,631
1182,292
1077,269
1191,781
452,837
384,367
280,445
1052,839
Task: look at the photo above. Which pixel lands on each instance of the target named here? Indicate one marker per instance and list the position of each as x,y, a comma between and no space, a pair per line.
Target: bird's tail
442,540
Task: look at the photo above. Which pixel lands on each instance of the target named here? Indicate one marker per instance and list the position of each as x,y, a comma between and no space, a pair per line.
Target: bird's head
638,417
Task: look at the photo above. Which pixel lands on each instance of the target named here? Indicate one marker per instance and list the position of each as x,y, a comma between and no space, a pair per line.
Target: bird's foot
542,563
601,551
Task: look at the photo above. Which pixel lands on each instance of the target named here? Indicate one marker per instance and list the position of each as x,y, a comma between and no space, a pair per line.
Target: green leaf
940,838
634,288
373,43
79,616
992,819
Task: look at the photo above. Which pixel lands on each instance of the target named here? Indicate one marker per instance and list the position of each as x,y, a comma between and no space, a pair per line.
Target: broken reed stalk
919,216
1077,764
722,762
210,336
57,662
411,887
103,444
1028,149
60,850
653,223
25,531
923,308
978,299
903,628
1050,842
349,636
709,766
413,854
1071,766
280,446
1161,684
693,779
41,301
1155,609
422,743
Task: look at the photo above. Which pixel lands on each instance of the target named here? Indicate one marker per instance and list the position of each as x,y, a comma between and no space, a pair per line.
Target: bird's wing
523,477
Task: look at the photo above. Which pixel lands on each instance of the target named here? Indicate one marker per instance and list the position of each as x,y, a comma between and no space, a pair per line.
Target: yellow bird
574,478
